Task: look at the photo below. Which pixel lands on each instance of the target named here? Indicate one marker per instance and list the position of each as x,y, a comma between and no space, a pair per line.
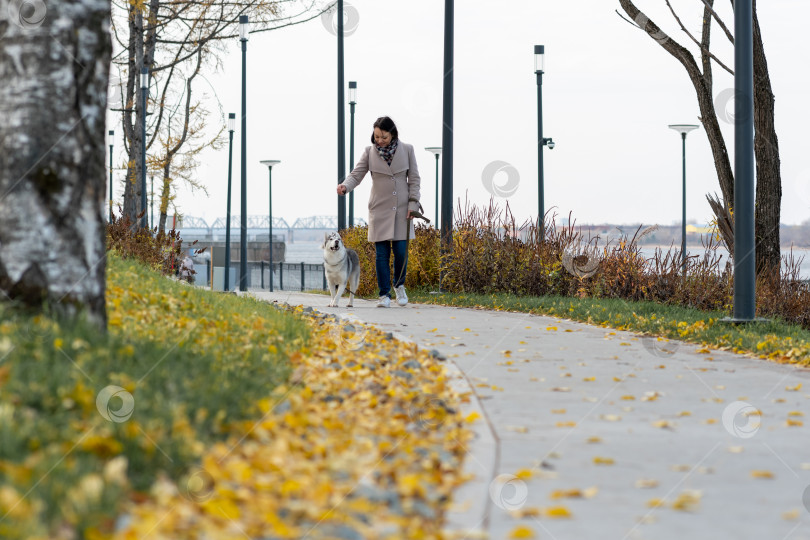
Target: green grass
195,364
773,339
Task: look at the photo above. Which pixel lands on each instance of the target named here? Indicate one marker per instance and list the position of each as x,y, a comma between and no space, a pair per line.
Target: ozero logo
115,404
498,186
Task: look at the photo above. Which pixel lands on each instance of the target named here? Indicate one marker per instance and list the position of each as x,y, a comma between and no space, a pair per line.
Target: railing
286,276
293,276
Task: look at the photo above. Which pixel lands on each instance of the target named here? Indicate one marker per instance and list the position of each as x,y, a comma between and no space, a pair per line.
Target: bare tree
185,137
54,63
174,39
766,144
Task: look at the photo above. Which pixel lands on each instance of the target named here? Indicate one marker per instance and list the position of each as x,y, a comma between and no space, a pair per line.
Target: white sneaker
384,301
402,298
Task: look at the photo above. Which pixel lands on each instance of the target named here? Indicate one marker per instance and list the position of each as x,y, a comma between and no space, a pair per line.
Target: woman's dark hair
385,124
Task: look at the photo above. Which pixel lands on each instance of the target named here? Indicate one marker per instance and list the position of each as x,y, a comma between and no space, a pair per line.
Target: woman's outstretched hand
341,189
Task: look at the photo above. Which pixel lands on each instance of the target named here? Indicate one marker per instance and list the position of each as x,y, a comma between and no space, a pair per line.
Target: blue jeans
400,249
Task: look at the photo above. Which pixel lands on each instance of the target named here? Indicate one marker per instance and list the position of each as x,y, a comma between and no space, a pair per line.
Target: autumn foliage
160,251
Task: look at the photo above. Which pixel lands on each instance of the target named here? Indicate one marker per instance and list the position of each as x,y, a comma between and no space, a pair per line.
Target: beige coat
392,186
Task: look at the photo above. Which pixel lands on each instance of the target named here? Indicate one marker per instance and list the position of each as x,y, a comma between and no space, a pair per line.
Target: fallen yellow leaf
472,417
521,531
557,512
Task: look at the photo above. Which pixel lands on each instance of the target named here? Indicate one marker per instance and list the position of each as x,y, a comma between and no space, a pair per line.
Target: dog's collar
337,263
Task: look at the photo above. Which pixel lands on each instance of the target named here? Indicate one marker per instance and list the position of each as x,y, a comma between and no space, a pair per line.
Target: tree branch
719,21
704,50
704,47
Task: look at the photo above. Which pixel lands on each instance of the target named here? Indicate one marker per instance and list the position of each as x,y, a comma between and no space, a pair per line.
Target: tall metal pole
683,129
226,284
341,214
351,152
270,212
351,164
243,21
111,133
152,200
436,223
541,204
144,93
447,132
744,242
683,213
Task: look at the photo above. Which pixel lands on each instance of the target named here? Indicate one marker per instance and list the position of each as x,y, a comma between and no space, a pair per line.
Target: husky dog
342,268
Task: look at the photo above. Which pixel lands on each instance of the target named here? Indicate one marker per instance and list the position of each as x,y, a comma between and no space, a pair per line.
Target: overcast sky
609,93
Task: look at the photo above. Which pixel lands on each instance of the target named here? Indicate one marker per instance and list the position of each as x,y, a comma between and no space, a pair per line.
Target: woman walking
394,195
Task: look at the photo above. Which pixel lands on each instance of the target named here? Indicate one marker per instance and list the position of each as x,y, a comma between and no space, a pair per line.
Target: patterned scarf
387,152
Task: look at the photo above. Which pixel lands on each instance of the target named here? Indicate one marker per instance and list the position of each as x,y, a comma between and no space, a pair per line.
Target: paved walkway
635,437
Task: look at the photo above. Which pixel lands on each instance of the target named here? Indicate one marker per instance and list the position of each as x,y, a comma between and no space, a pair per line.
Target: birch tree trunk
54,63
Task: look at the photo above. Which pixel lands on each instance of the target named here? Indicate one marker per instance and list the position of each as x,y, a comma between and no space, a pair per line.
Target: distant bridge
322,222
258,224
253,222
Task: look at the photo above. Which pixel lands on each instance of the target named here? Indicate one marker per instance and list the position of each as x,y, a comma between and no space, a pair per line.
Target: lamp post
745,304
683,129
231,125
144,94
539,68
341,213
447,130
352,103
437,151
111,133
270,163
243,37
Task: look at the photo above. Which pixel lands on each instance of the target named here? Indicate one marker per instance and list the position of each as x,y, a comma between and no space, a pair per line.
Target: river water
799,256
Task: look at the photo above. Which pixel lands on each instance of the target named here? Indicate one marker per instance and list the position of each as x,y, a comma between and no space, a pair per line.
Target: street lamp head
539,58
231,121
683,129
144,78
353,92
437,150
111,133
270,162
243,27
550,144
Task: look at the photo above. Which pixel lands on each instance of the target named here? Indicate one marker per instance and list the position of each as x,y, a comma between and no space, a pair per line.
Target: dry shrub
492,254
160,251
423,258
785,295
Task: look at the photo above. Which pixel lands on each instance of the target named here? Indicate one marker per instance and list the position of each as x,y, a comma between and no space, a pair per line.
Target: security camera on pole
539,67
